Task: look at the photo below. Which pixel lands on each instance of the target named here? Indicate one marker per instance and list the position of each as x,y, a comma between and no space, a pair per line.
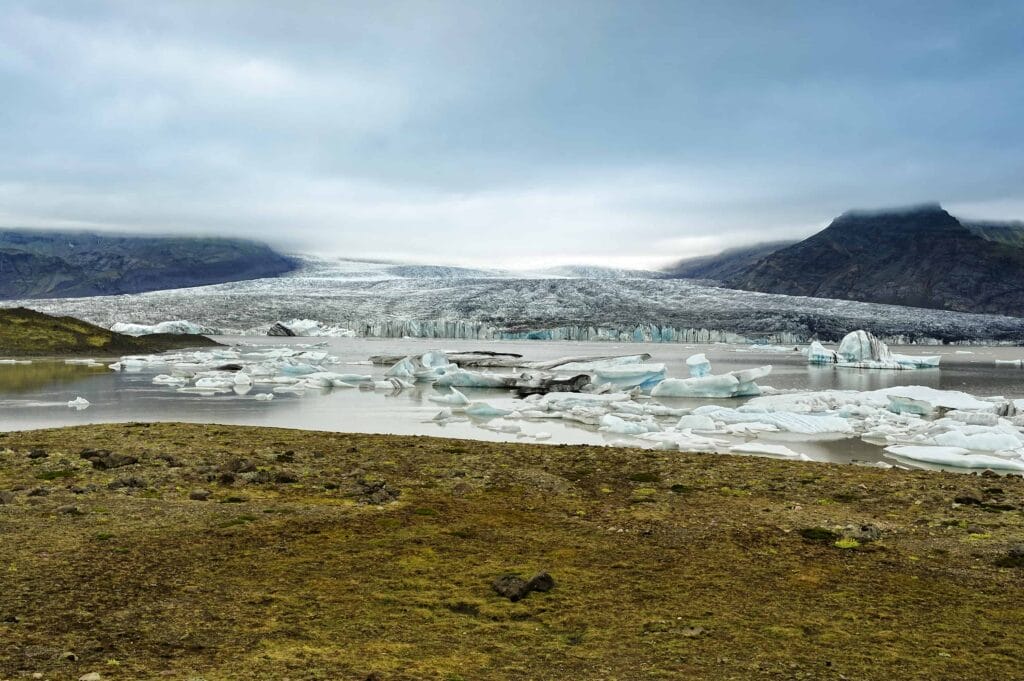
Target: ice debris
861,350
177,326
79,403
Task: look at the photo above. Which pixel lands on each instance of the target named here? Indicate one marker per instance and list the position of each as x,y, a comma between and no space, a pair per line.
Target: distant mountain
1011,233
920,256
726,264
45,264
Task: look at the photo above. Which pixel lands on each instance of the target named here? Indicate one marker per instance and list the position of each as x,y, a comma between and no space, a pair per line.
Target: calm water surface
36,395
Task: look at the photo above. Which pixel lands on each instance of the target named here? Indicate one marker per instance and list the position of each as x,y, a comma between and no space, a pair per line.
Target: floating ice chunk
79,403
643,376
1015,363
954,456
435,359
765,449
732,384
613,424
311,327
805,424
696,422
501,426
464,378
454,398
265,397
819,354
15,361
584,364
405,368
916,396
484,410
564,401
80,361
164,379
683,441
698,365
443,415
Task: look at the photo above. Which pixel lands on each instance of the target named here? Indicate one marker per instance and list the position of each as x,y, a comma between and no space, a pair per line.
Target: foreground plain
335,556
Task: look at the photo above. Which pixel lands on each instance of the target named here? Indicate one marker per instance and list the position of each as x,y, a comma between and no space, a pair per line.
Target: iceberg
309,327
643,376
954,456
464,378
454,398
698,365
732,384
79,403
484,410
765,449
862,350
615,424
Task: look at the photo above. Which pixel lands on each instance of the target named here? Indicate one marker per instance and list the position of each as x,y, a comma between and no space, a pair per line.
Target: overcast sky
626,133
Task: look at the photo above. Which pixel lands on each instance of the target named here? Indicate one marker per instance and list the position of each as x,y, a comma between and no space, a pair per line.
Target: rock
975,529
239,466
170,459
69,657
102,459
38,454
375,492
199,495
285,457
133,483
280,329
69,510
968,498
542,581
285,478
862,533
1014,557
6,497
39,492
91,676
226,479
511,587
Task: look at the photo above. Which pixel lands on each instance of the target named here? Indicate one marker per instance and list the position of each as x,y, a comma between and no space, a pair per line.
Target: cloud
531,133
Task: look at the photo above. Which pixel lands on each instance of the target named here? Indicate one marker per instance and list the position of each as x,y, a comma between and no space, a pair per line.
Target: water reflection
43,375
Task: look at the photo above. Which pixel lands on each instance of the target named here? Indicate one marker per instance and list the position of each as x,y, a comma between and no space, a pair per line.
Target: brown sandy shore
337,556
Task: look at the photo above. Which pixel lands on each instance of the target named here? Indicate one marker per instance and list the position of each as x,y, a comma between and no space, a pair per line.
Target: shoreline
348,556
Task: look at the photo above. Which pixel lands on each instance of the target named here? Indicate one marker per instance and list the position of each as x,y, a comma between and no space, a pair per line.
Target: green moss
847,543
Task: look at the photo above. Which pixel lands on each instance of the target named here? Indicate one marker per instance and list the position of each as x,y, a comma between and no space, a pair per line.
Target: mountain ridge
919,256
51,264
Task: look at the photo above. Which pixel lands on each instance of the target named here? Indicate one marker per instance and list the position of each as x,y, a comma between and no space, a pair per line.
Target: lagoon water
36,395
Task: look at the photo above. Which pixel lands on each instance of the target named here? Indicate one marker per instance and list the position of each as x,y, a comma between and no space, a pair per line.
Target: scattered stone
39,492
975,529
375,492
91,676
542,581
285,457
226,479
6,497
1014,557
132,483
170,460
199,495
38,454
259,477
862,533
102,459
69,657
285,478
70,510
239,466
511,587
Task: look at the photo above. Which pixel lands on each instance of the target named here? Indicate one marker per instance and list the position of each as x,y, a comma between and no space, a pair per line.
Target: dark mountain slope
1011,233
726,264
920,256
44,264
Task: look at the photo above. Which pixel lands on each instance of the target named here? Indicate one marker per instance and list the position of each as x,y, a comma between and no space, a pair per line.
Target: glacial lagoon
36,395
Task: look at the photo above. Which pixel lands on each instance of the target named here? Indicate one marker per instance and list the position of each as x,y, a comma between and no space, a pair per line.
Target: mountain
726,264
920,256
27,333
1011,233
45,264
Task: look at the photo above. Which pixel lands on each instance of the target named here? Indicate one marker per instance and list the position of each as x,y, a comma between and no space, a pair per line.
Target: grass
302,581
27,333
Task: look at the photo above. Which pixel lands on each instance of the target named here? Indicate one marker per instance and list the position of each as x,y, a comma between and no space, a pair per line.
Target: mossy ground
27,333
668,565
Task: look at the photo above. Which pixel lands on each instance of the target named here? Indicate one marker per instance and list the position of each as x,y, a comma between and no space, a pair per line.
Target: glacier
375,300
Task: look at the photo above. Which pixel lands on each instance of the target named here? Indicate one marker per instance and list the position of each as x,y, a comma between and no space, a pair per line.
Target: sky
511,134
